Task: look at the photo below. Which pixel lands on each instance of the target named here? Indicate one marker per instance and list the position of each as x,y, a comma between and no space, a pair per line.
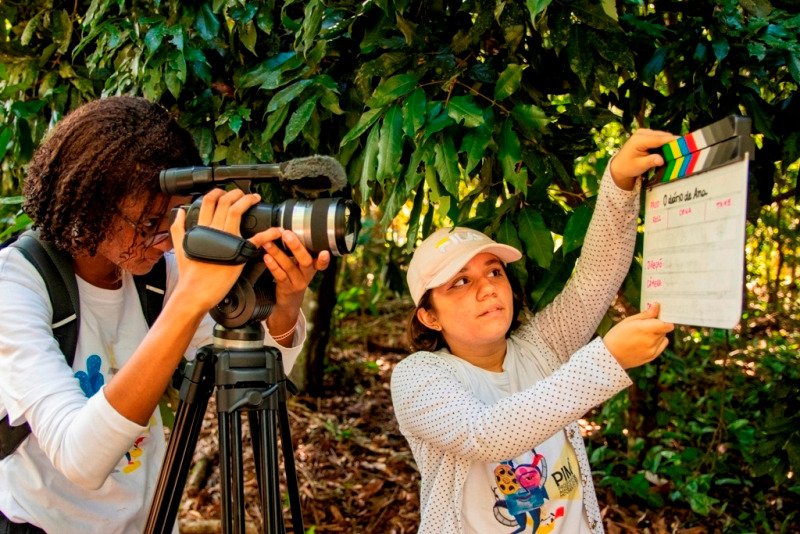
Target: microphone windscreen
314,174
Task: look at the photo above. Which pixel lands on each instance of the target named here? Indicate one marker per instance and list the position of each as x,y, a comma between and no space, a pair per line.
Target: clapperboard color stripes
715,145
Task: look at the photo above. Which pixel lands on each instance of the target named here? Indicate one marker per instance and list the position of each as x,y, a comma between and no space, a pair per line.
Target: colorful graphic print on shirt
531,498
91,381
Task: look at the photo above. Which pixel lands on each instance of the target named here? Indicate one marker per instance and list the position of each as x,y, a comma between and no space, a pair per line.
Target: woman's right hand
639,338
202,285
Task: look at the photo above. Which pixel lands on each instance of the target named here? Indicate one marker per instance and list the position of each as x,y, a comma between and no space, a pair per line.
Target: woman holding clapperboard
489,402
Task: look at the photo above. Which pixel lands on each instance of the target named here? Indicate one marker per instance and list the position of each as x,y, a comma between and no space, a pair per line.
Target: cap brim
505,253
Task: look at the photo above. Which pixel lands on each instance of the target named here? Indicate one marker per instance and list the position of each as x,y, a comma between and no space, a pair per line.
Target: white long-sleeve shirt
459,424
84,468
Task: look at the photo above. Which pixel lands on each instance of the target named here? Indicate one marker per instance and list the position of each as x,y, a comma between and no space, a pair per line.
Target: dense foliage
495,114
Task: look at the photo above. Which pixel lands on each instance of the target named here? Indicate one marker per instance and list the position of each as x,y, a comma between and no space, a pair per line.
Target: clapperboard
694,226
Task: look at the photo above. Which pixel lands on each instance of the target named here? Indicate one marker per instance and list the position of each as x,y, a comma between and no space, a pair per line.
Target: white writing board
693,258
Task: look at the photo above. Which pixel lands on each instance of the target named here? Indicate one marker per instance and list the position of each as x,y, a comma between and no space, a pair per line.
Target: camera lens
323,224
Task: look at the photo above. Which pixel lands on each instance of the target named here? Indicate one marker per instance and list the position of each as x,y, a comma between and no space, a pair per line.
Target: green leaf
536,236
5,137
62,32
154,36
298,119
474,145
392,89
390,147
268,74
414,112
364,121
312,22
530,118
510,156
446,163
536,7
27,109
248,35
576,228
721,48
206,22
274,122
655,65
793,62
330,101
508,82
579,54
370,161
30,28
436,121
507,234
464,108
610,9
414,217
286,95
397,199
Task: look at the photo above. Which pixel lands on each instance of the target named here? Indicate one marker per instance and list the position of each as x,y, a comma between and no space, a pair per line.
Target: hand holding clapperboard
694,226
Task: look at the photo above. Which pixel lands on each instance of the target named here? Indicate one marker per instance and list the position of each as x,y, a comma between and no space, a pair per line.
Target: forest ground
355,471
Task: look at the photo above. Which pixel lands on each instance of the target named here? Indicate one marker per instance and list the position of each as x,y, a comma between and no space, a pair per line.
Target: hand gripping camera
330,224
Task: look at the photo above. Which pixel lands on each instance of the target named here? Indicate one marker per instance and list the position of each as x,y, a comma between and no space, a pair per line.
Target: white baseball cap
445,252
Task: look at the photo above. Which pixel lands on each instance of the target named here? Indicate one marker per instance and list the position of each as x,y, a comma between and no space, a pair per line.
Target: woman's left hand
635,158
292,272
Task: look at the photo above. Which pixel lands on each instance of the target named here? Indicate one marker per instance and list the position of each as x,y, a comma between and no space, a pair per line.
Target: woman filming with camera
92,459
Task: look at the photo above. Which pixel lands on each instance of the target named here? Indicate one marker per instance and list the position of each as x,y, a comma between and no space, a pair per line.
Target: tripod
248,377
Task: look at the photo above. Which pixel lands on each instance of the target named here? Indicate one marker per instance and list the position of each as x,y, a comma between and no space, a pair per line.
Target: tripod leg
195,393
262,430
289,467
231,472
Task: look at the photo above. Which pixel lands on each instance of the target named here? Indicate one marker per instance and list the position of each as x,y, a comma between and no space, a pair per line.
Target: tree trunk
317,345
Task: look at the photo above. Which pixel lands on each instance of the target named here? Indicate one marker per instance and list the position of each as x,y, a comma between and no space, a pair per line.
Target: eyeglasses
147,230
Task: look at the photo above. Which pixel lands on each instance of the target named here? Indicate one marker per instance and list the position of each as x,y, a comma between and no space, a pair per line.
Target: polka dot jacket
448,428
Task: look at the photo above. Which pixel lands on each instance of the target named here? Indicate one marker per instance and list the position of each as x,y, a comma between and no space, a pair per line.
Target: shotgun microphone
306,176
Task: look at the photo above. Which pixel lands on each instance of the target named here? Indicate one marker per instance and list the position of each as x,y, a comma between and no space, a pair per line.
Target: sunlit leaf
464,108
508,82
537,6
446,163
370,161
390,147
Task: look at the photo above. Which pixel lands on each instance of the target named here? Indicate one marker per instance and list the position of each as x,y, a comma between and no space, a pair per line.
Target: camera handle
248,377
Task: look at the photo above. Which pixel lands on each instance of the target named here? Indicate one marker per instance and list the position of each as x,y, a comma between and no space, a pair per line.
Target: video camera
330,224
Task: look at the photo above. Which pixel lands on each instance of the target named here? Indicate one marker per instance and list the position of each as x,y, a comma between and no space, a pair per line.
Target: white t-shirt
538,491
84,468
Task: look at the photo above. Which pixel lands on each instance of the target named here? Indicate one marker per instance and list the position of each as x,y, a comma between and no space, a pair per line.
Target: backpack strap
55,267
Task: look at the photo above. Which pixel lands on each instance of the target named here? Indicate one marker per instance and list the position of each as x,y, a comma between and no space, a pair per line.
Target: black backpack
55,267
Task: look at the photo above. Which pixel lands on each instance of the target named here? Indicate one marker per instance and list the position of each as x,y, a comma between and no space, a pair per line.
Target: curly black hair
99,155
